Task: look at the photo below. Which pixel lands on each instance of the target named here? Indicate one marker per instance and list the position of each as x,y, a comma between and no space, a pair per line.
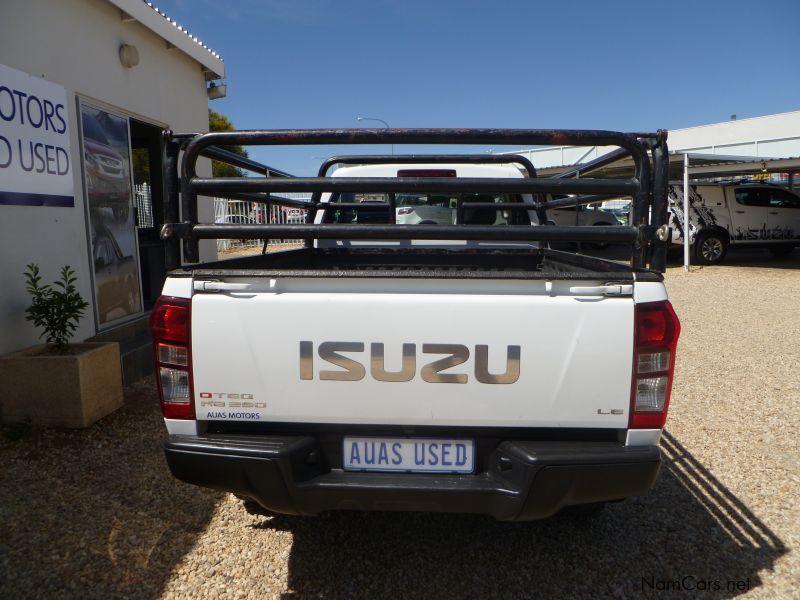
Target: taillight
656,334
407,210
170,326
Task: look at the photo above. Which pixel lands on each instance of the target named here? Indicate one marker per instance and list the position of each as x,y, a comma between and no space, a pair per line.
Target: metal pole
379,120
686,211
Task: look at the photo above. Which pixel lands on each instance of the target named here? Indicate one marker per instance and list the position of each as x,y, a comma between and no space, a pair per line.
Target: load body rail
516,233
648,207
220,185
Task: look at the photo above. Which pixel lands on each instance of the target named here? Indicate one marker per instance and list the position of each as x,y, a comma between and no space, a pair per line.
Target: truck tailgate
524,353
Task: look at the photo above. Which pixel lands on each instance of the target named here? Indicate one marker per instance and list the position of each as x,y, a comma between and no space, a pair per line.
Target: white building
767,137
86,87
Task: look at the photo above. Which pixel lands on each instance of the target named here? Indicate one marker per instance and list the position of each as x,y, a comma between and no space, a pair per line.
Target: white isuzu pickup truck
448,363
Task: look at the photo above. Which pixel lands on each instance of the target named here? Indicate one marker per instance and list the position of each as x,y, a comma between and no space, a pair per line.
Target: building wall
771,136
75,44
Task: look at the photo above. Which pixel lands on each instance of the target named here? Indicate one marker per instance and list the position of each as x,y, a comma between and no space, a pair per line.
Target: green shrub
57,310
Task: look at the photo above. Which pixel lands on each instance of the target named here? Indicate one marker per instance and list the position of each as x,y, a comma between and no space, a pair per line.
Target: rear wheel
781,249
710,248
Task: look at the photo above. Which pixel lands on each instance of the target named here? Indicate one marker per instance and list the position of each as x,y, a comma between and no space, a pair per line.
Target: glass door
109,196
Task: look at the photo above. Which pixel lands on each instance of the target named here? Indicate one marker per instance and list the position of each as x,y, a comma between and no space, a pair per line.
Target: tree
219,122
141,166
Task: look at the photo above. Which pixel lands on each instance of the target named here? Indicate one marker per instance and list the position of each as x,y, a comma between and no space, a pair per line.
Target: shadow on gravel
736,257
95,513
747,257
689,535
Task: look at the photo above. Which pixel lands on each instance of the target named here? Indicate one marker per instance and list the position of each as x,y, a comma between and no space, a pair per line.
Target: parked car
107,176
583,215
735,214
422,208
620,209
116,277
591,215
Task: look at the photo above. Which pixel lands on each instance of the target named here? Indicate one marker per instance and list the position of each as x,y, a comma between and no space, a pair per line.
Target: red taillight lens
169,320
426,173
170,327
656,334
655,325
405,210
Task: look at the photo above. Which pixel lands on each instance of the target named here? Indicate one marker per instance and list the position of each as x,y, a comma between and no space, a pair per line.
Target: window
782,199
438,208
767,197
751,197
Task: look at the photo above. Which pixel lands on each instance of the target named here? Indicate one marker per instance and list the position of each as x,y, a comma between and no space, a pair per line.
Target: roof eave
158,23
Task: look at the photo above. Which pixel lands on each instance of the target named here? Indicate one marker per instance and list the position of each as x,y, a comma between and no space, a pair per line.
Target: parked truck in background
452,363
735,213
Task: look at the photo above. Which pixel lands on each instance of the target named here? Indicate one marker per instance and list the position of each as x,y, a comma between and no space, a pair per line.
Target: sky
623,65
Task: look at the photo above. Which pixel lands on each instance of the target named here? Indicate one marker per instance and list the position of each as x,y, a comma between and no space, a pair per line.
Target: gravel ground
95,513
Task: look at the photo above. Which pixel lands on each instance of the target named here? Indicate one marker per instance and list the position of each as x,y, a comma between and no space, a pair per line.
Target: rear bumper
522,480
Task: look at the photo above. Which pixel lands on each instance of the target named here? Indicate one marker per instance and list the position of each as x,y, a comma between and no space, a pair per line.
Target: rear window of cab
420,208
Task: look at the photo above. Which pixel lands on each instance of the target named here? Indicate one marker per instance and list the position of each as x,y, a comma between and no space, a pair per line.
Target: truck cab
421,207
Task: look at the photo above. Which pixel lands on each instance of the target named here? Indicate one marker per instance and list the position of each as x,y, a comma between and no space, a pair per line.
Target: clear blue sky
629,65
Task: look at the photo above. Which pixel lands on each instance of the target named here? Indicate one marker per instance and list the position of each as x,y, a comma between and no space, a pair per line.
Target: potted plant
57,383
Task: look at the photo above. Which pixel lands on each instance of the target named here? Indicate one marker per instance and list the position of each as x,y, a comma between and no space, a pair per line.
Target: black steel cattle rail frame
426,159
646,232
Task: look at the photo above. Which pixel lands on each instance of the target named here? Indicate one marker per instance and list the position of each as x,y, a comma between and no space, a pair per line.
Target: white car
585,215
425,209
735,214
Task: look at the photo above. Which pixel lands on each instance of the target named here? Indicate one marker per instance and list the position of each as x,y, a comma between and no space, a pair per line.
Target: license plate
411,455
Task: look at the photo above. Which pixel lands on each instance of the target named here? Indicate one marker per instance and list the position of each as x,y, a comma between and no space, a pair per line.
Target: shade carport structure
688,167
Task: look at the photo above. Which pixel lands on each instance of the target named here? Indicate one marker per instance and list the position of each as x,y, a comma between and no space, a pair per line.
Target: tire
710,248
781,249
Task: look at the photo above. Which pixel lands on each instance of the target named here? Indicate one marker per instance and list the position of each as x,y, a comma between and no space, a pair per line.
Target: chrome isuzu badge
431,372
